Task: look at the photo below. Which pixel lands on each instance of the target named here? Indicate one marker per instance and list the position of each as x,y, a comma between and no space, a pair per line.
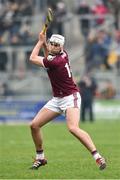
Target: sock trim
94,152
39,151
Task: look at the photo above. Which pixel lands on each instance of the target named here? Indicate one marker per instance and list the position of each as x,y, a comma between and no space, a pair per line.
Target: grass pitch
67,158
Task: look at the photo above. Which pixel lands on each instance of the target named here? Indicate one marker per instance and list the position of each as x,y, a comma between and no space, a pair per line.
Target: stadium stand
20,22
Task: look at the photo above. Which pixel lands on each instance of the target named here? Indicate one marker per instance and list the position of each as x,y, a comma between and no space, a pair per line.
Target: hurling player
66,97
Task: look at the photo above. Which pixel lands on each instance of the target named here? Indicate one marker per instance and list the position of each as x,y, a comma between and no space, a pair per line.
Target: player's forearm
45,50
35,51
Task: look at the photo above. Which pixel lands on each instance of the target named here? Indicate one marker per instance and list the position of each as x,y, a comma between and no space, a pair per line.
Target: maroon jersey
60,75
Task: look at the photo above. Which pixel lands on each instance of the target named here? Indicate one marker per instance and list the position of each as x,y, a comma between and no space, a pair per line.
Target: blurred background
92,32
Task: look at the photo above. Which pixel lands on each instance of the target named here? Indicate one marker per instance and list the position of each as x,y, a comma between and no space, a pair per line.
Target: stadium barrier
24,110
20,110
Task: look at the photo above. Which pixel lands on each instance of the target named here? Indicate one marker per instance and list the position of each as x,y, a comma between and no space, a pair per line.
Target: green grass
67,158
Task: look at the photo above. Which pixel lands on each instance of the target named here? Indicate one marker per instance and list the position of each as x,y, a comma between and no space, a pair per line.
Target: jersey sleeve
48,63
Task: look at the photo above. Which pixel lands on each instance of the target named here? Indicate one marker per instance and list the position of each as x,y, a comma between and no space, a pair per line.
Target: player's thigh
72,117
44,116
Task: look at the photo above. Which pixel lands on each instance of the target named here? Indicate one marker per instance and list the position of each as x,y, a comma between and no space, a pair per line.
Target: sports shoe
38,162
101,163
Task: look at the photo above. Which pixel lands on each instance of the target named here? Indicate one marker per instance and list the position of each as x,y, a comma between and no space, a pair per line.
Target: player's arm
34,57
45,50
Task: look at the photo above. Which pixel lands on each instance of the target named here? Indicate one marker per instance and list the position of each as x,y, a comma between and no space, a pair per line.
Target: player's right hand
42,37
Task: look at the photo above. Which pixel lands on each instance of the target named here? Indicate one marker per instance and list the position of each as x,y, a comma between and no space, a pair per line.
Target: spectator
88,88
99,10
97,51
88,52
57,26
15,40
25,35
114,6
5,90
84,10
11,20
109,91
26,8
93,52
117,50
3,61
105,44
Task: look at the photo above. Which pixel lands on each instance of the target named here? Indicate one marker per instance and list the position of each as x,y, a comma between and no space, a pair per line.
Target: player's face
54,48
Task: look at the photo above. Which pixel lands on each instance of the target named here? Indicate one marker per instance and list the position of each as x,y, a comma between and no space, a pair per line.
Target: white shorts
60,105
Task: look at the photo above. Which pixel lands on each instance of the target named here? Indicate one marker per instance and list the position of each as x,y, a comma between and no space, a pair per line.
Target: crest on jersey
50,57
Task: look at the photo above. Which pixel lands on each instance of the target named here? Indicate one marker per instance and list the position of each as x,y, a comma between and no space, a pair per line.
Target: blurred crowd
98,11
102,42
60,11
91,16
15,22
102,51
101,45
15,18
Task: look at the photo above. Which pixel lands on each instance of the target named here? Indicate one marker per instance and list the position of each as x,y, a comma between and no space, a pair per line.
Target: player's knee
33,126
72,129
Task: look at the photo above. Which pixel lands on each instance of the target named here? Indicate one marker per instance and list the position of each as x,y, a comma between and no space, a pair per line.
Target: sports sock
40,154
96,155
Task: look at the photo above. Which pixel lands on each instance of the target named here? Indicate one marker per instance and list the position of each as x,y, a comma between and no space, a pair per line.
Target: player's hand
42,37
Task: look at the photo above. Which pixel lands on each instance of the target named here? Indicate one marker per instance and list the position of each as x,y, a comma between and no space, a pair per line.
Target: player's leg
72,117
44,116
